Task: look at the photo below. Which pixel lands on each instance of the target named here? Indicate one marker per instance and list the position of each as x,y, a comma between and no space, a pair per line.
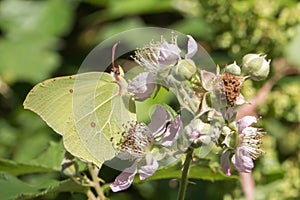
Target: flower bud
226,130
69,168
197,133
231,137
233,69
256,66
184,69
205,139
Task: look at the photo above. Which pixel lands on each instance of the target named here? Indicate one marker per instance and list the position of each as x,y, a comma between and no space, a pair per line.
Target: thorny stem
91,195
185,172
94,174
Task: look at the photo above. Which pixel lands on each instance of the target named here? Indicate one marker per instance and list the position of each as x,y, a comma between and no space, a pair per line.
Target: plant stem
185,172
91,195
96,185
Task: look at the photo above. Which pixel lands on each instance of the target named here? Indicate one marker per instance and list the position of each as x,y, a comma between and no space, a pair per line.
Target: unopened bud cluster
253,65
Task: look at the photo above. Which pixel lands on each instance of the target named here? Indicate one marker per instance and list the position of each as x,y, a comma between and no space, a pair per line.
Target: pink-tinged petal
207,80
124,156
124,180
240,100
172,132
159,120
192,47
225,164
149,169
168,54
242,160
245,122
193,135
142,86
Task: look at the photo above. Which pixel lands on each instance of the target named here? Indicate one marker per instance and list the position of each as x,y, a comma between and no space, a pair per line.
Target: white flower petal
192,47
225,164
245,122
124,180
242,160
168,54
172,132
159,119
207,80
149,169
240,100
142,86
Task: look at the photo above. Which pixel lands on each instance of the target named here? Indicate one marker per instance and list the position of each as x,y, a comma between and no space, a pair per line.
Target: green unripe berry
69,168
184,69
233,69
256,66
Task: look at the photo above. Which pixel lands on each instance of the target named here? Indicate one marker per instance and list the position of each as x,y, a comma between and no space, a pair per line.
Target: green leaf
13,188
86,109
29,19
15,168
118,9
51,157
195,26
30,32
20,60
69,186
118,27
133,7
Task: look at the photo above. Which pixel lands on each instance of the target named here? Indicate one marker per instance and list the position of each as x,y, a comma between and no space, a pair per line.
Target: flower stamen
136,140
251,138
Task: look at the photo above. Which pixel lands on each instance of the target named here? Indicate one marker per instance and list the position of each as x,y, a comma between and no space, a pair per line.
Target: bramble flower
142,86
226,85
157,58
163,54
247,148
140,143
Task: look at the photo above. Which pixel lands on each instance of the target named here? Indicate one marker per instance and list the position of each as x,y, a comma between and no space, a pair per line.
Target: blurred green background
48,38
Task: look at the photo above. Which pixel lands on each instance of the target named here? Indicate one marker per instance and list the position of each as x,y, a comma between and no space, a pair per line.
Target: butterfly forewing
87,109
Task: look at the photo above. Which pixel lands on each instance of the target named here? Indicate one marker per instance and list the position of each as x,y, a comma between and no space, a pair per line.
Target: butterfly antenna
115,70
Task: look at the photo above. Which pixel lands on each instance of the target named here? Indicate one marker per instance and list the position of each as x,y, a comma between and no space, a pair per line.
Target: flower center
252,140
148,56
232,87
137,138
